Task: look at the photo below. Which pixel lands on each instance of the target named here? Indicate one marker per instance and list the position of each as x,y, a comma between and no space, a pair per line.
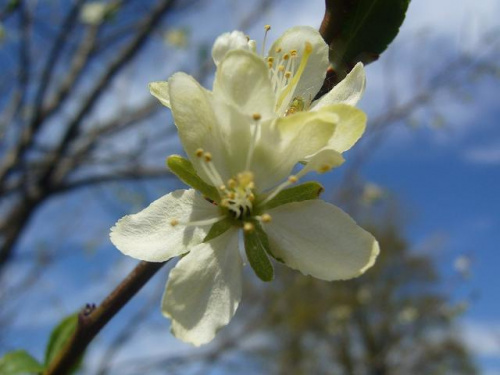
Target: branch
90,322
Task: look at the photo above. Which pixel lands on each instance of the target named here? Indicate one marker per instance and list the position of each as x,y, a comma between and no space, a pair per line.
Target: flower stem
91,321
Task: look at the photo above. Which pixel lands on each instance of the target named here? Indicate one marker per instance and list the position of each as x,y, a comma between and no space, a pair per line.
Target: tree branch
91,322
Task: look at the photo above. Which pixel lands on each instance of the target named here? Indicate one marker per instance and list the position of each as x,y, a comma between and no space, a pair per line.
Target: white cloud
482,338
489,154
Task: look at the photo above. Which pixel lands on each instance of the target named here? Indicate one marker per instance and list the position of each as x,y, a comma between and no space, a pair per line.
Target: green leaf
183,169
257,248
218,228
303,192
19,362
60,336
360,30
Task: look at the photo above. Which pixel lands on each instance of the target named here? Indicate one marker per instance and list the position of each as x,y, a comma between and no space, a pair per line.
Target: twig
91,321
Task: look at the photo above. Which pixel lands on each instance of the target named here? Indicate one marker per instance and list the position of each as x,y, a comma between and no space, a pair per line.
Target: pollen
199,152
248,227
256,116
208,157
174,222
281,68
267,27
266,218
270,59
292,179
288,74
293,52
286,56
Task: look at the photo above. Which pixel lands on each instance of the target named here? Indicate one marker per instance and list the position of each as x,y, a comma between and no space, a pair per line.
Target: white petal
204,289
148,235
228,42
348,91
350,126
320,240
314,74
192,109
160,91
286,141
242,78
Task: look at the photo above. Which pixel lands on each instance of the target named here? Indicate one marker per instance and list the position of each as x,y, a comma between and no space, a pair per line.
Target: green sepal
303,192
361,30
219,228
19,362
59,338
183,169
257,250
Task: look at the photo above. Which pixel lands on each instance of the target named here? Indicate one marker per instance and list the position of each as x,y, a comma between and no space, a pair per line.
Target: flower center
238,194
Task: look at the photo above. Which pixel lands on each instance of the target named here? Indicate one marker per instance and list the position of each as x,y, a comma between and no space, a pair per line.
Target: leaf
60,336
218,228
299,193
257,248
19,362
183,169
360,30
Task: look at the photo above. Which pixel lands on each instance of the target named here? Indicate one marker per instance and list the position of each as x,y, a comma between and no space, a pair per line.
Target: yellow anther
278,49
267,27
248,227
270,65
231,183
174,222
231,195
222,187
270,59
266,218
288,74
286,56
208,156
281,68
293,52
292,179
256,116
199,152
245,179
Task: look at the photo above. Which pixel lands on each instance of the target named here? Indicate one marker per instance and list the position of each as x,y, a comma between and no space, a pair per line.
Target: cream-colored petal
320,240
286,141
228,42
314,74
193,112
160,91
149,235
348,91
242,78
351,124
204,289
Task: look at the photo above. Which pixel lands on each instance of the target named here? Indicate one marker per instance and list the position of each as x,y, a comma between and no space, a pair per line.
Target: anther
267,27
281,68
248,227
293,52
222,187
231,183
256,116
278,49
208,156
266,218
270,59
309,47
174,222
292,179
199,152
288,74
286,56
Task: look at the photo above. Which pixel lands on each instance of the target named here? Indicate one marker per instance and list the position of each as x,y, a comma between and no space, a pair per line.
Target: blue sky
447,177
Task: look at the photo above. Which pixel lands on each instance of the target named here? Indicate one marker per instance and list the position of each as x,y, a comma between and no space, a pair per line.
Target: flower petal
286,141
204,289
348,91
320,240
314,74
228,42
160,91
351,125
148,235
242,78
194,116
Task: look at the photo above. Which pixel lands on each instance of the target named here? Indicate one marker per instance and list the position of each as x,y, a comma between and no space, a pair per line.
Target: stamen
290,181
248,227
253,141
266,218
199,152
287,93
267,28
